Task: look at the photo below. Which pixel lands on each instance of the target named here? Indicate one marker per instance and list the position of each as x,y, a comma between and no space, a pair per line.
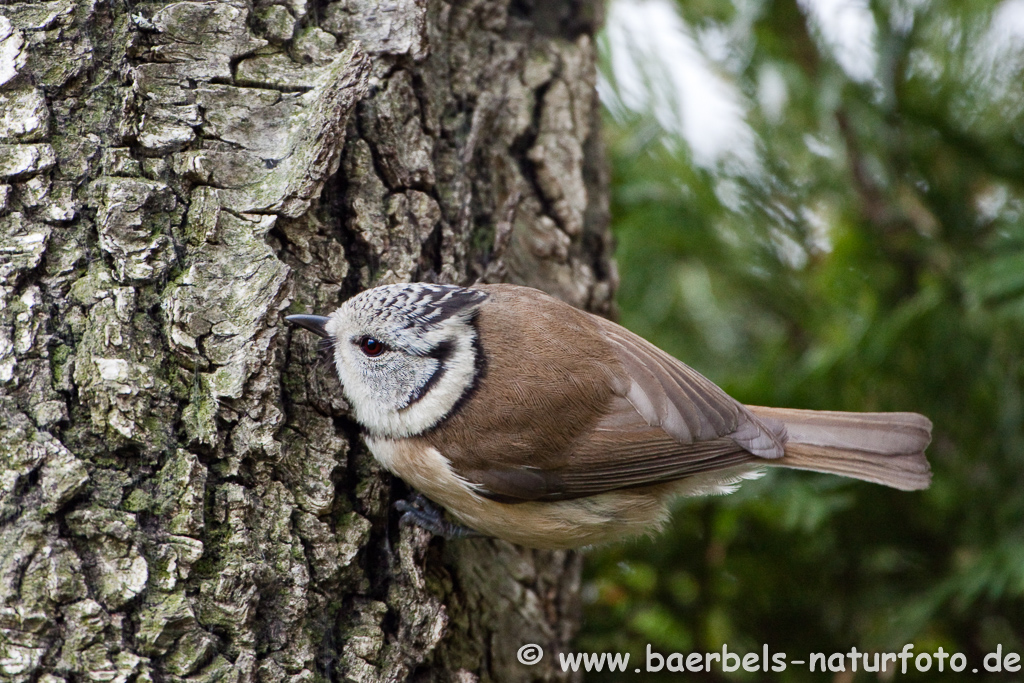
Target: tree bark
183,494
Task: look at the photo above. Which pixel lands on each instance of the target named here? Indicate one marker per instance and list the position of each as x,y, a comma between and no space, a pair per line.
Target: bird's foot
424,514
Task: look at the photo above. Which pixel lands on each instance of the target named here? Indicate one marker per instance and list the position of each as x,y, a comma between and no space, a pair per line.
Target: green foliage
873,260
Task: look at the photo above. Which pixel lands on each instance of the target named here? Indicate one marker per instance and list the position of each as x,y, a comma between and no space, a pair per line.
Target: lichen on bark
183,493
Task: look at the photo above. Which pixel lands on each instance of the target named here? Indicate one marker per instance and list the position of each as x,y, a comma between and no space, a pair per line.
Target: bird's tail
884,448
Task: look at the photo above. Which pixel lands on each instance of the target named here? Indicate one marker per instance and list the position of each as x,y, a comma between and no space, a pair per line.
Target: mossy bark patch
183,492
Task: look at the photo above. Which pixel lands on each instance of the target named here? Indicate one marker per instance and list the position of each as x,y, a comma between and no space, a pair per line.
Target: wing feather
687,405
611,464
603,410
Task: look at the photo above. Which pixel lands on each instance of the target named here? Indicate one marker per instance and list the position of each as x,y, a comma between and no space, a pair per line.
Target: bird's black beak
314,323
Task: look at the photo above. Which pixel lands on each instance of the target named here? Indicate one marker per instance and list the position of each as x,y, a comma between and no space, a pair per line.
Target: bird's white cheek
361,395
401,395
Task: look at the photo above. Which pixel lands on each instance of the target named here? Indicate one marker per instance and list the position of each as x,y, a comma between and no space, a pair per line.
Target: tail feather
884,448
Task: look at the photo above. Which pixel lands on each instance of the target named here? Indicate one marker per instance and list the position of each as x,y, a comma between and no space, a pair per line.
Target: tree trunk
184,494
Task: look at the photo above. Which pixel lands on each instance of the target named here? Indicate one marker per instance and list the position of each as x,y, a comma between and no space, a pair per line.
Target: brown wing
614,455
601,409
688,406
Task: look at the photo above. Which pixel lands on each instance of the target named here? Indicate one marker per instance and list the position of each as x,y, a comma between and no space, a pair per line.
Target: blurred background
820,204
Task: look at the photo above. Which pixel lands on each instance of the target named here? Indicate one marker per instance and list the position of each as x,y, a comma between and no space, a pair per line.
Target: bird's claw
424,514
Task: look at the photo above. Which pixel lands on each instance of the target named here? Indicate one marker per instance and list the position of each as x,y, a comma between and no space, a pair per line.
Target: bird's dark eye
371,347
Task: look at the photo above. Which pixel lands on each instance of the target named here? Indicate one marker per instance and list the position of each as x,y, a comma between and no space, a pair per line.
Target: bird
538,423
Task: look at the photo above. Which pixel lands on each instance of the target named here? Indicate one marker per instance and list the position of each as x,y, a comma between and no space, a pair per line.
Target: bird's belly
559,524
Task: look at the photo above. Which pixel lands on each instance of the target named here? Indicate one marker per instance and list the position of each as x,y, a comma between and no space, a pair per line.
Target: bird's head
405,354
